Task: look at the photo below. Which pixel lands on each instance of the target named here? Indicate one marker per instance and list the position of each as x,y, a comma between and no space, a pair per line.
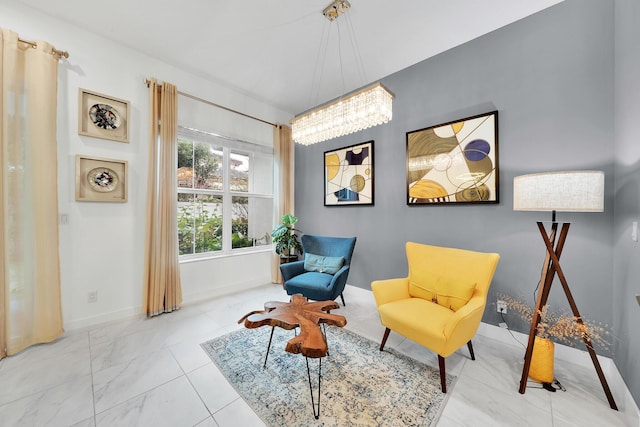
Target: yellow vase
541,368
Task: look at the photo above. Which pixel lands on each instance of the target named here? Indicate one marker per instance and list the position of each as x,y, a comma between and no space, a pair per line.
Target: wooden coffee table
311,342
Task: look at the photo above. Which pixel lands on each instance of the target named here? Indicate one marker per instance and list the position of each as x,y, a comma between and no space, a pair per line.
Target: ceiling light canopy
358,110
336,9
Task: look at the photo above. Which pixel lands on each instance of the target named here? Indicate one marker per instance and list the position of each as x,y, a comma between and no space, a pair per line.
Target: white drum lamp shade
569,191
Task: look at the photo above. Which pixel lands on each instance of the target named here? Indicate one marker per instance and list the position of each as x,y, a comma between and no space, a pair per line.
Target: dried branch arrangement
561,326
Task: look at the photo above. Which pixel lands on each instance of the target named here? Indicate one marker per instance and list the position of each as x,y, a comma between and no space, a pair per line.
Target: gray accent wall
552,79
626,311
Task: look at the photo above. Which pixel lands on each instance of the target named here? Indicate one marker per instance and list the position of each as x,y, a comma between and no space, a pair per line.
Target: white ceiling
269,48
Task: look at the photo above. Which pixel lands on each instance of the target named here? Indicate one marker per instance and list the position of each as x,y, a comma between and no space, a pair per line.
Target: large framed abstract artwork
454,162
348,175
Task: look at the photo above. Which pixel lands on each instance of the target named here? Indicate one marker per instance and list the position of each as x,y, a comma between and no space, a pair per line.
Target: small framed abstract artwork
454,162
101,180
102,116
348,175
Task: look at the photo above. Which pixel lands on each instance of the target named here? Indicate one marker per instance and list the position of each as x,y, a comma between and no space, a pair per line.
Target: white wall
102,246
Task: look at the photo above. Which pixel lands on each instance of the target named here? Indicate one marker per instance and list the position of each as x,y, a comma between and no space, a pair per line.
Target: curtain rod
147,81
60,53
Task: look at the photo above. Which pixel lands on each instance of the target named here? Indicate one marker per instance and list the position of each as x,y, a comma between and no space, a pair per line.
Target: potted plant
285,239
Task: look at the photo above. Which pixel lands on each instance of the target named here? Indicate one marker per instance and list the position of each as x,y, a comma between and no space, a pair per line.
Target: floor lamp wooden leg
551,268
587,340
546,278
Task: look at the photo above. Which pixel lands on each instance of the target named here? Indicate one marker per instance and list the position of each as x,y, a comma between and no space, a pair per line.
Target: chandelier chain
356,51
316,82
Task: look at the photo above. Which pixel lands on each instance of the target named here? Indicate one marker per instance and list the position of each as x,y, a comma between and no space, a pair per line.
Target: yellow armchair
439,305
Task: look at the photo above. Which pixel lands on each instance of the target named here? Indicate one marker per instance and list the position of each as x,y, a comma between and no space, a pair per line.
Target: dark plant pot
284,259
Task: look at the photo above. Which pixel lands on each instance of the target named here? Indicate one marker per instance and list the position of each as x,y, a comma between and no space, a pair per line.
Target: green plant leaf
288,219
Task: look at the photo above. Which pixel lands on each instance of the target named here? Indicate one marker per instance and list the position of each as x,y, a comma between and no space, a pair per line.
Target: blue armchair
322,275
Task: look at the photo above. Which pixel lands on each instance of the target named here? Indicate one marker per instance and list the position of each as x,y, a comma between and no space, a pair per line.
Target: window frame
228,145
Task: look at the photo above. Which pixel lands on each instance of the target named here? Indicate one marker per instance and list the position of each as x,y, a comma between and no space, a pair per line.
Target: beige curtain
162,290
30,307
284,158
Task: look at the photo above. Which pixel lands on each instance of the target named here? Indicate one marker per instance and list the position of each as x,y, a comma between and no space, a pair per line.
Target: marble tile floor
152,372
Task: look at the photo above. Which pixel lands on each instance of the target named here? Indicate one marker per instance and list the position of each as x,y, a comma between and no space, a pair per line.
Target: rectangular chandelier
362,109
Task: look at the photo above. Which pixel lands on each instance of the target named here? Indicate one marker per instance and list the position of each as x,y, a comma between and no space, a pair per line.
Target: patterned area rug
361,386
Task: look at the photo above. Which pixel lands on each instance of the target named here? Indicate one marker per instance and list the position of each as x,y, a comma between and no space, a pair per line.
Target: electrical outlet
92,296
501,307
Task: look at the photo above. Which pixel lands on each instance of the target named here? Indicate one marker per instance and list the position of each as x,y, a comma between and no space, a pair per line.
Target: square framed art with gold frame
102,116
101,180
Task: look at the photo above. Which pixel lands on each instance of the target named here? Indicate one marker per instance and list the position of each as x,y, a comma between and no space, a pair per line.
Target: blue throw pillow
323,264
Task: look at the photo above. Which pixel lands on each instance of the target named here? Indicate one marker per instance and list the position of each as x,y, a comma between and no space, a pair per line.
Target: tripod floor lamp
571,191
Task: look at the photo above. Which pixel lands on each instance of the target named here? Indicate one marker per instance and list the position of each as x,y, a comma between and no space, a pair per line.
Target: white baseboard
576,356
136,312
123,314
194,297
